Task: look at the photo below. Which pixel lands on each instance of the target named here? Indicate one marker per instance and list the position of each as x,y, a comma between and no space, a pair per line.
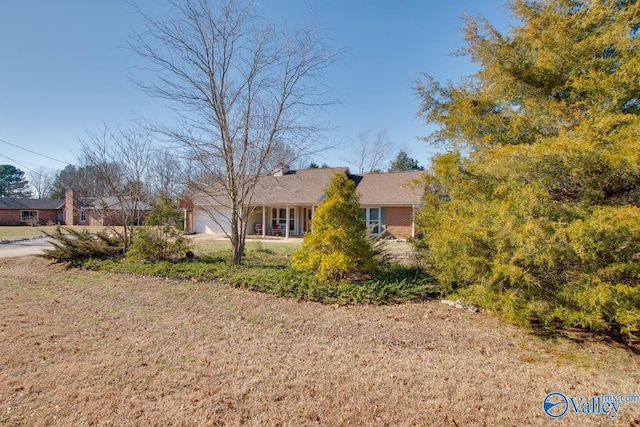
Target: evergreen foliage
534,210
270,272
161,237
165,212
13,182
404,163
338,246
75,246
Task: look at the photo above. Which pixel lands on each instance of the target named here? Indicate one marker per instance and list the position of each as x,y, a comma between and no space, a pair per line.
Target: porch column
413,220
286,227
264,221
313,212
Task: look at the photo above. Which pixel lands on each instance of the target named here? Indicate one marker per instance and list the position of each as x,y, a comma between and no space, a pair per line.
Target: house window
279,216
29,216
83,216
371,216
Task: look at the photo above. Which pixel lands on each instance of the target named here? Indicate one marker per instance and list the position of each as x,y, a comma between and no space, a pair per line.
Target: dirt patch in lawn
86,348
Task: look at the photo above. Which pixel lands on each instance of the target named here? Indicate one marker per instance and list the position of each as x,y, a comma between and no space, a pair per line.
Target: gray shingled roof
302,187
32,204
394,188
111,203
307,187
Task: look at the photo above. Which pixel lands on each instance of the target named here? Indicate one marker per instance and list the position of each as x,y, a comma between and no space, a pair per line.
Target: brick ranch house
284,203
71,210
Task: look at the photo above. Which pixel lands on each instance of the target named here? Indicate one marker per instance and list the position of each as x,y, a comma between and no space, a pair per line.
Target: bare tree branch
41,180
120,159
370,152
243,91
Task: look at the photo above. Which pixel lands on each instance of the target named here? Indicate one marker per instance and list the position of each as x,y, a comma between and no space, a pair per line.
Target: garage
204,223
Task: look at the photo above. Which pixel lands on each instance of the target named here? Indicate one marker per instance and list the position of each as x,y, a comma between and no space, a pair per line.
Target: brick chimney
69,204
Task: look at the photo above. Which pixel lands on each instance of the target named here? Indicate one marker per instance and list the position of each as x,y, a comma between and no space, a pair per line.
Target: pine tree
404,163
534,211
13,182
338,246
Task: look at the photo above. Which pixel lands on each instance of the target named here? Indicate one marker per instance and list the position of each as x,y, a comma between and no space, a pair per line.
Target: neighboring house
30,211
101,211
284,203
69,211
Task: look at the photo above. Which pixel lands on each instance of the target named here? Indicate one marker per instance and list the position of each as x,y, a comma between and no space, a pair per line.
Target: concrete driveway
24,247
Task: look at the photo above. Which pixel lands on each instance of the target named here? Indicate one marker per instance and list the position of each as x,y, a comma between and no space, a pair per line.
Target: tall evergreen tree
404,163
338,246
534,210
13,182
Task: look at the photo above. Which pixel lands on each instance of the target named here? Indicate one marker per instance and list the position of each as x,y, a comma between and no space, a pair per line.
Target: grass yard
81,347
207,243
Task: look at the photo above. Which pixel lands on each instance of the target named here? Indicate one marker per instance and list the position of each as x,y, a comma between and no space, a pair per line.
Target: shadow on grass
581,336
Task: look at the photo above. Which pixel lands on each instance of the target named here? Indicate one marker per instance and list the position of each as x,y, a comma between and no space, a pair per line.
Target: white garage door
204,224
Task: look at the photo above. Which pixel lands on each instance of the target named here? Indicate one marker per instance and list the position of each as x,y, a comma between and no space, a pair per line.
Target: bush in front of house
271,274
160,238
74,246
338,247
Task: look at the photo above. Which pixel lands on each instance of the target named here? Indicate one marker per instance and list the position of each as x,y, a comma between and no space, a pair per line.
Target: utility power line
32,152
17,163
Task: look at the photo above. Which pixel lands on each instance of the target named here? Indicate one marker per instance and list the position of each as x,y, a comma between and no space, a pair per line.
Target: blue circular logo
555,405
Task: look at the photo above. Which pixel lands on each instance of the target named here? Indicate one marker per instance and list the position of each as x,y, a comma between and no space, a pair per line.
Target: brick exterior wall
399,222
9,217
12,216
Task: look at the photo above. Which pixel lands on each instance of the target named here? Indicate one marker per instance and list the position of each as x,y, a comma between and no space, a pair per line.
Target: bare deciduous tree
166,176
370,152
41,180
243,90
120,159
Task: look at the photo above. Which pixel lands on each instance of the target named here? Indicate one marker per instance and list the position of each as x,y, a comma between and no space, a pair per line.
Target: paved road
24,247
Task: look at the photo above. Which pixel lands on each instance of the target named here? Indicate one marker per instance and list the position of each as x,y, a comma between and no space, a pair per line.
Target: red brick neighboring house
100,211
284,203
30,211
68,211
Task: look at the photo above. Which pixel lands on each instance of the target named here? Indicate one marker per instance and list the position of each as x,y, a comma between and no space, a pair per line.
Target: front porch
280,221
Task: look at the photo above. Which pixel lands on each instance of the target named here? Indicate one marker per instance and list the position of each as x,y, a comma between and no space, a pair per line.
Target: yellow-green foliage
535,210
338,247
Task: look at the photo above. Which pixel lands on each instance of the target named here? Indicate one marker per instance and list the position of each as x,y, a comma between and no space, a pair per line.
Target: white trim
369,222
286,220
30,219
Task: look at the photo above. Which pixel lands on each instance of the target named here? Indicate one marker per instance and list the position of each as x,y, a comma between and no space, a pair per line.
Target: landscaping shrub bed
270,273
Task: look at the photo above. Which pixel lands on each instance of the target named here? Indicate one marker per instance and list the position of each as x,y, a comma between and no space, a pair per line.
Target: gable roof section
302,187
307,187
30,204
393,188
110,203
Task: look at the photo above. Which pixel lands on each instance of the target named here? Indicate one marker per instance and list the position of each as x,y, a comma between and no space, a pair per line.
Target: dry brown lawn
84,348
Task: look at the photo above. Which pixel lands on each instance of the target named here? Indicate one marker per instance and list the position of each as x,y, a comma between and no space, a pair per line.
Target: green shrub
75,246
519,253
158,243
271,273
338,247
160,239
165,213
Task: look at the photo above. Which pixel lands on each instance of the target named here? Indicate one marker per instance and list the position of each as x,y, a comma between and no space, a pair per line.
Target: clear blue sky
64,70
